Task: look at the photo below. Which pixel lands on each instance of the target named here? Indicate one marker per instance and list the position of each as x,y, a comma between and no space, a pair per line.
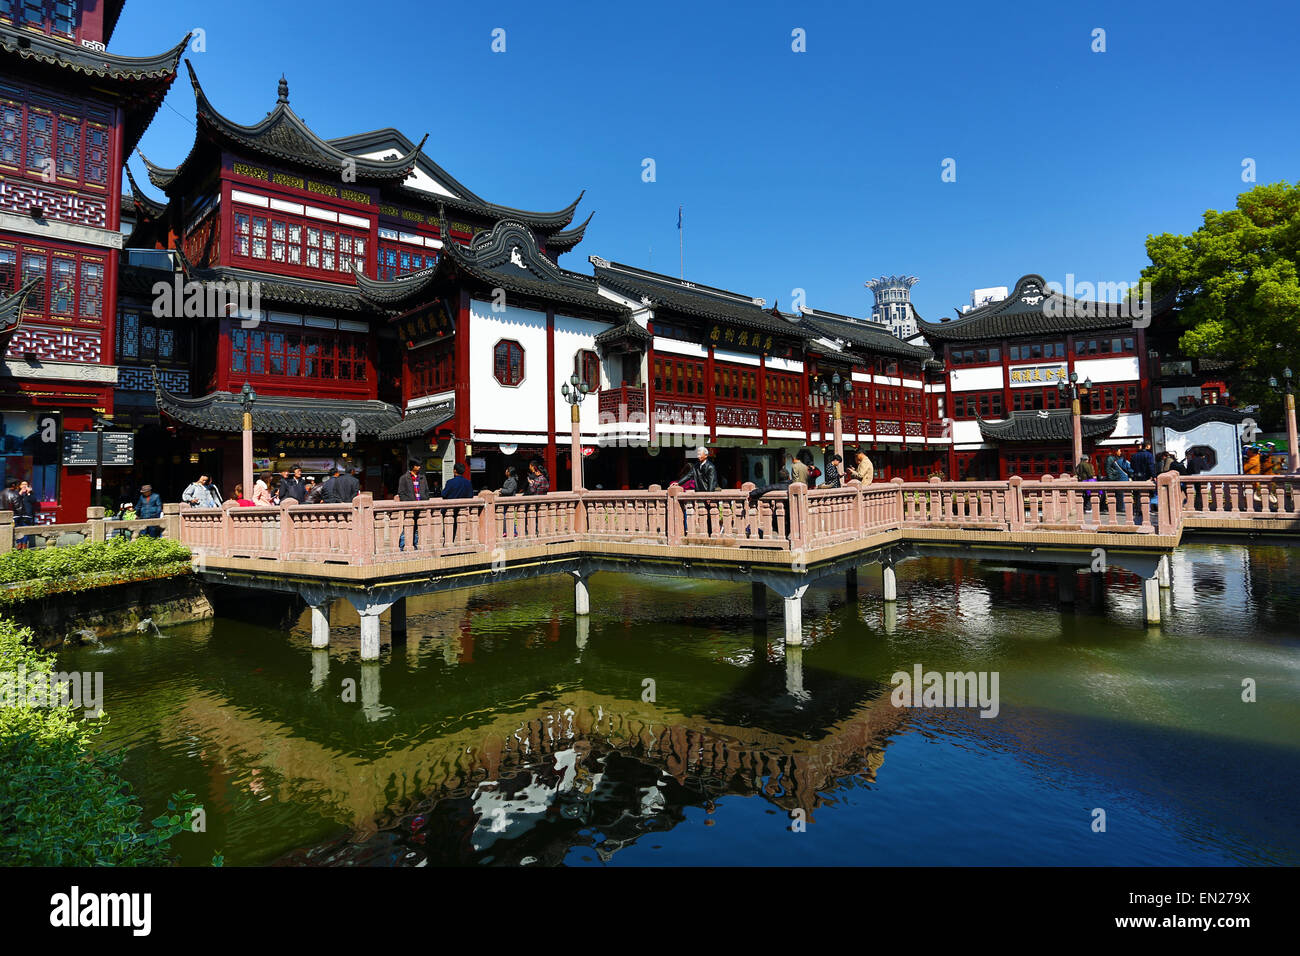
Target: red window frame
679,377
287,242
49,13
508,362
586,365
397,259
295,353
432,368
40,136
72,283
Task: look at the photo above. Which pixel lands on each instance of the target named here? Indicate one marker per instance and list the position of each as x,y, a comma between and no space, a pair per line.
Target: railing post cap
1015,480
289,502
798,487
173,508
748,486
655,489
487,494
228,505
674,490
935,479
364,498
7,517
1046,478
94,512
896,481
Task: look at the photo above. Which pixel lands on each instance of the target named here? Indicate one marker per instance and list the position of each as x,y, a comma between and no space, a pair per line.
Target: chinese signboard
1024,375
728,337
427,325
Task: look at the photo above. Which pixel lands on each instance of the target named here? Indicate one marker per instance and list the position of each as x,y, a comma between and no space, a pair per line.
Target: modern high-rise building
893,308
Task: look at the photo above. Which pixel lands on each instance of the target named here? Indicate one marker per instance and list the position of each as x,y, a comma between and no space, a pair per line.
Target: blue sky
813,170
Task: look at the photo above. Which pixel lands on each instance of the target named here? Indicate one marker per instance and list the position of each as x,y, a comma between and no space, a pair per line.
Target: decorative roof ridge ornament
282,95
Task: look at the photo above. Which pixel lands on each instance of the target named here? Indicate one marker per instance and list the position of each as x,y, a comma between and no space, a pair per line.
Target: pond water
669,729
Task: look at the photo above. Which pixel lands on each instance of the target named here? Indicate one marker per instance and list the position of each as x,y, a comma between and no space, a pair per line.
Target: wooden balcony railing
617,403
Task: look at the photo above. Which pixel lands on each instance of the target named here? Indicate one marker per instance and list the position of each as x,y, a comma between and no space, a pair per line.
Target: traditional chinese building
276,232
1005,361
70,112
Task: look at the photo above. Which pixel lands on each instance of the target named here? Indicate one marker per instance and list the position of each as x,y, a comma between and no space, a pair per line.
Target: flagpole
681,246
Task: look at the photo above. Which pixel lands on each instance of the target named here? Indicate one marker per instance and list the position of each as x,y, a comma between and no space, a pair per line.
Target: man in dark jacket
459,486
1143,463
412,486
832,476
9,500
704,471
149,505
346,486
25,516
293,487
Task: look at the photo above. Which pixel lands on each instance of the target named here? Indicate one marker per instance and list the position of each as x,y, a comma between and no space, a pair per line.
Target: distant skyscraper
979,297
893,308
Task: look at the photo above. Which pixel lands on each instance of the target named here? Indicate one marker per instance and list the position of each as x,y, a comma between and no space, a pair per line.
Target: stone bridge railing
367,532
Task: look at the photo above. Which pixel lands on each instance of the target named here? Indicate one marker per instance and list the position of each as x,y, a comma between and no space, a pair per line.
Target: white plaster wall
493,405
966,431
571,335
1121,369
1223,437
969,379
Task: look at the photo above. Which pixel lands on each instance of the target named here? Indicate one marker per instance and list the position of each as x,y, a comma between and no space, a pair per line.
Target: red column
463,432
762,394
551,392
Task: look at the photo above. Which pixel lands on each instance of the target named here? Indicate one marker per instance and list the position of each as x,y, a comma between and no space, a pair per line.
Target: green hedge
61,803
90,557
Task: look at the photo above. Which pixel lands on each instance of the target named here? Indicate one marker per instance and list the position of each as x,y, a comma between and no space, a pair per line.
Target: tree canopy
1239,291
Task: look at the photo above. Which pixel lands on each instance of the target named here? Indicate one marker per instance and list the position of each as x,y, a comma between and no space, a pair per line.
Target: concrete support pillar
891,618
397,619
581,595
320,667
888,581
320,624
759,594
1065,584
1151,599
370,637
851,584
370,612
581,631
794,620
1096,587
1163,571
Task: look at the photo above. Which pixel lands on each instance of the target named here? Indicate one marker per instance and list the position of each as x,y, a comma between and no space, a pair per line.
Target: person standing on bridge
293,486
1143,463
149,505
201,493
538,482
863,470
412,486
833,464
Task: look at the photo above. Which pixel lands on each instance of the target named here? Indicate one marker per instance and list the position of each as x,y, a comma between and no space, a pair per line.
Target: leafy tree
1239,295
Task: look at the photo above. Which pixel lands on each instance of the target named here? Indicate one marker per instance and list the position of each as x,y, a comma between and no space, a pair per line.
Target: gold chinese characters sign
426,325
1025,375
728,337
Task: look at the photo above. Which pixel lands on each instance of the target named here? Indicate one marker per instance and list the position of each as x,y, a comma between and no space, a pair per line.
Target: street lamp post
1072,390
574,397
838,391
1293,454
246,399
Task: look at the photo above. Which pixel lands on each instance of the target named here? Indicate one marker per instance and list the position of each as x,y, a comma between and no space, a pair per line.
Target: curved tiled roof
542,221
277,414
629,331
1183,421
281,136
287,290
1034,309
1047,426
864,334
99,64
688,298
419,422
566,240
11,307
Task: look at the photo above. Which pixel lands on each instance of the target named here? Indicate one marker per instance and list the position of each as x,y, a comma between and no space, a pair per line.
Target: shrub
62,804
116,554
